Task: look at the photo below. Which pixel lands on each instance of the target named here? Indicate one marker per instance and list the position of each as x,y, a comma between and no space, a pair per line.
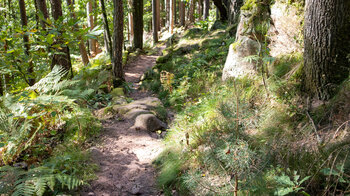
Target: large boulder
148,122
142,106
236,64
286,32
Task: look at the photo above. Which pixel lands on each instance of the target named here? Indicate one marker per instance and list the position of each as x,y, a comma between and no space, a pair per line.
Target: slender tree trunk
221,8
131,20
155,21
182,12
36,14
138,24
43,10
24,21
158,15
206,9
234,11
82,48
162,9
172,16
191,11
106,29
63,58
327,44
118,43
200,9
168,13
91,25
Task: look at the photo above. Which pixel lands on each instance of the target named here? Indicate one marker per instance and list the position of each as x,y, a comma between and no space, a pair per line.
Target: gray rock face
148,122
236,64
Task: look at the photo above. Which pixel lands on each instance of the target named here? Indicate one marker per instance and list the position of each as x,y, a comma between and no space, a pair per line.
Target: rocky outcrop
148,122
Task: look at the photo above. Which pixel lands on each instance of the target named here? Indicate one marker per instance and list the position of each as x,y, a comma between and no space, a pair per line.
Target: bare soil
125,155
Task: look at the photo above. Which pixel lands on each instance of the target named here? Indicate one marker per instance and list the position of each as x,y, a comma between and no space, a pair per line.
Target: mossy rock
117,92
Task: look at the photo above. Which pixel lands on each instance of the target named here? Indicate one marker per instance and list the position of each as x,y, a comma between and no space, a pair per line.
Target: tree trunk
107,32
200,9
205,9
167,13
91,25
234,11
118,38
155,21
172,16
158,15
327,44
191,11
62,59
36,14
138,24
222,9
131,25
24,21
82,48
162,8
43,10
182,12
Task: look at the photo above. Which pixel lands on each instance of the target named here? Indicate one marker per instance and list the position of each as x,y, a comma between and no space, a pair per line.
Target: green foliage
36,181
289,185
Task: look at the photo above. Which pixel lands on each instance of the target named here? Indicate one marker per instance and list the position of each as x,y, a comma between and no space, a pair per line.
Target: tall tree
190,13
200,9
172,16
154,21
138,23
107,33
43,11
221,6
327,44
167,9
91,24
24,21
182,12
118,39
82,48
205,9
158,14
62,57
234,9
131,21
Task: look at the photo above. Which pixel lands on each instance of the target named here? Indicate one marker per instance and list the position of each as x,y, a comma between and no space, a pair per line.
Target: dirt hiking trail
123,154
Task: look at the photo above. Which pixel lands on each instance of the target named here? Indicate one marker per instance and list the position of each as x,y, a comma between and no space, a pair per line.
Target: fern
35,181
52,84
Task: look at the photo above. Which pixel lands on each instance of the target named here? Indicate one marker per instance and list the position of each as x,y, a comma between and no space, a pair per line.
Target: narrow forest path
123,154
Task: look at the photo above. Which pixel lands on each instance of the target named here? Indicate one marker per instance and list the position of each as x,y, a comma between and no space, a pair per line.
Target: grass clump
245,134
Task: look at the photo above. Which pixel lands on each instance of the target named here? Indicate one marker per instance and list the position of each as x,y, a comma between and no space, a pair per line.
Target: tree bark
91,25
234,11
162,8
62,59
190,15
200,9
167,8
138,24
222,9
205,9
172,16
182,12
118,38
327,44
24,21
154,21
107,32
158,15
82,48
43,10
131,19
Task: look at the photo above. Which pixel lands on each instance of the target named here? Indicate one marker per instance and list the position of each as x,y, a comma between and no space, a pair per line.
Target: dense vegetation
283,130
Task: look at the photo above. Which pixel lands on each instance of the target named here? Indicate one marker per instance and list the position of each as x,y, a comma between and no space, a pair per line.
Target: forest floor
124,155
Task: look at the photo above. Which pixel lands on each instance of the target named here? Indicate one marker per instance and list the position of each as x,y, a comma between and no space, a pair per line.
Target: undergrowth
43,129
243,136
